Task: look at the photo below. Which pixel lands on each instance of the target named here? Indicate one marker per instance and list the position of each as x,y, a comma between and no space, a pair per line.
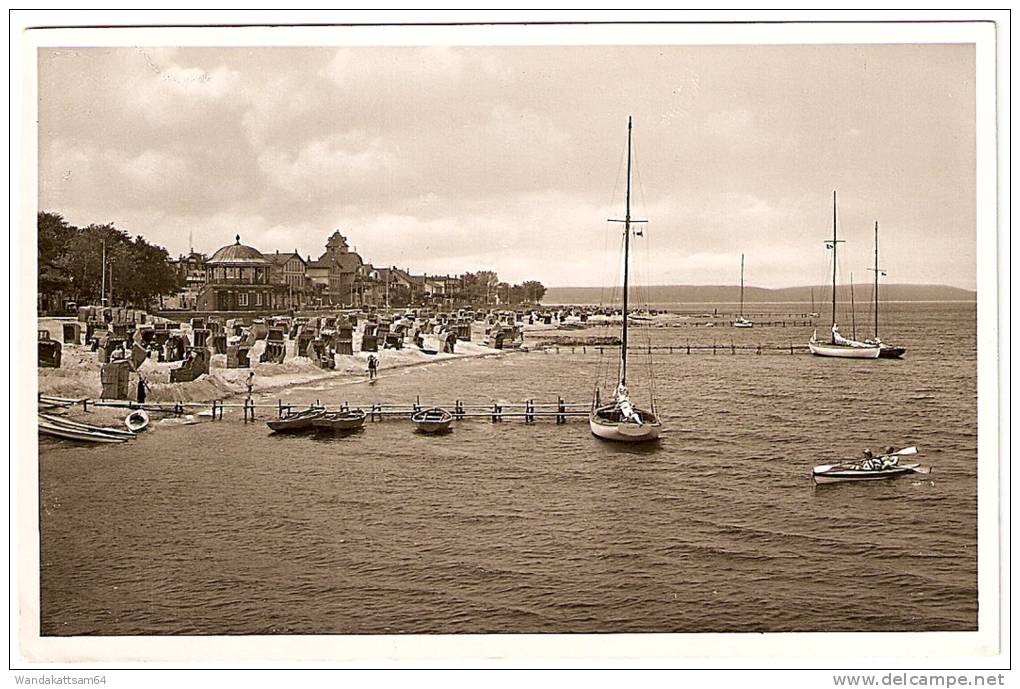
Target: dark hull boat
889,352
300,421
885,351
341,420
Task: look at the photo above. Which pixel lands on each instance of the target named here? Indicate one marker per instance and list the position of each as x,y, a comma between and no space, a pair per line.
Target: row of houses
238,277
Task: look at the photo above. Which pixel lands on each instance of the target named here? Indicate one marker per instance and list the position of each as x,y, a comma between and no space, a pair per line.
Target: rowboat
869,469
72,433
137,421
341,420
433,420
298,421
64,422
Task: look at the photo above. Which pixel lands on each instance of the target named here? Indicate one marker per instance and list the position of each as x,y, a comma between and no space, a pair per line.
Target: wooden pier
685,348
529,411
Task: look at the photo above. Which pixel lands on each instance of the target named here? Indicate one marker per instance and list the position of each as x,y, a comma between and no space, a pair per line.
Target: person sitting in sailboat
627,410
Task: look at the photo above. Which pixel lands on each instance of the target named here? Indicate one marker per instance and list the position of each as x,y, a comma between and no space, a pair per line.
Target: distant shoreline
749,302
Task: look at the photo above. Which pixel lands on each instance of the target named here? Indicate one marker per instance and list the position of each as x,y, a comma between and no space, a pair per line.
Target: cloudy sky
452,159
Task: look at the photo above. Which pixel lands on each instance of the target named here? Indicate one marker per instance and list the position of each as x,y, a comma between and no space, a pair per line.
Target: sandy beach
78,375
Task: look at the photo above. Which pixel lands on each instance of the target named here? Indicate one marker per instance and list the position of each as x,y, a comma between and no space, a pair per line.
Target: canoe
137,421
63,422
835,473
433,420
299,421
341,420
70,433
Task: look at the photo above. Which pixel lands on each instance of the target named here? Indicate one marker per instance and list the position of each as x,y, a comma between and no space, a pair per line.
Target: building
191,270
239,278
291,272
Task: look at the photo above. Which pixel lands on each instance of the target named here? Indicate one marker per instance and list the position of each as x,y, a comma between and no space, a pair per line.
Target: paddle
905,452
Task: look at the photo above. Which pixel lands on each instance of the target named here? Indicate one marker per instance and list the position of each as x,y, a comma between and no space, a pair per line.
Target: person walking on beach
250,382
143,387
373,364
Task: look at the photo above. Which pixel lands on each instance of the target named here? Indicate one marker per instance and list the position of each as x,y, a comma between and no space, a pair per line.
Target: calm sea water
222,528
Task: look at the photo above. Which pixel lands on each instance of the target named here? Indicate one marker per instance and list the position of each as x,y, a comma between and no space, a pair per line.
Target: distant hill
700,294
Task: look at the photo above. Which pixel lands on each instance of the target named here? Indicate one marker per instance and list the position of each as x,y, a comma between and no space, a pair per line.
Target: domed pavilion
239,278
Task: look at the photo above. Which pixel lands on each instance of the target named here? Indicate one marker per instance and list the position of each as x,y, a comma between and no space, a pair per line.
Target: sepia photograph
677,333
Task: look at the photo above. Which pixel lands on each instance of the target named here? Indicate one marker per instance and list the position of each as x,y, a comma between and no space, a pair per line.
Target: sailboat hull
838,351
625,431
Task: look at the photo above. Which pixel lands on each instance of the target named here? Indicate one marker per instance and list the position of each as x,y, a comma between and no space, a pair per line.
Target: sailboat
813,314
885,351
742,322
621,420
838,346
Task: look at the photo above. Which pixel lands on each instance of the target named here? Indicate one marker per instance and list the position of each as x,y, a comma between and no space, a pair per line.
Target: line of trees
71,265
484,287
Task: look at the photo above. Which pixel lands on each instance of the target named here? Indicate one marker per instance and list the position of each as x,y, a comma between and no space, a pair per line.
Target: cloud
457,158
336,165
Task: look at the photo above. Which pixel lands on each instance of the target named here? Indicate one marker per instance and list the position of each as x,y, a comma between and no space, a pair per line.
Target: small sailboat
621,420
742,322
435,420
838,346
885,351
870,468
813,314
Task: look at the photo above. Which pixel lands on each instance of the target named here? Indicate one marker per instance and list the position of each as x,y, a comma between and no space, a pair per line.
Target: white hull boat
74,432
839,347
432,420
869,468
843,351
742,322
621,420
137,421
606,424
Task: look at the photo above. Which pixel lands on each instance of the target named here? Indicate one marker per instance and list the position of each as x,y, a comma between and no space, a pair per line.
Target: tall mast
741,285
626,262
876,279
834,242
853,310
102,290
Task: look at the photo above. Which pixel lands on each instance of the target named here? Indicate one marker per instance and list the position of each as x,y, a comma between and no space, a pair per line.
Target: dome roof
238,254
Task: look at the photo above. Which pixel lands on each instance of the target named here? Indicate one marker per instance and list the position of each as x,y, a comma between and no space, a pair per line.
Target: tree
533,291
136,272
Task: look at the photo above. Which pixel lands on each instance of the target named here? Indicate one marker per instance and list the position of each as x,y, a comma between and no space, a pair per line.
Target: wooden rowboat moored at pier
435,420
298,421
341,420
